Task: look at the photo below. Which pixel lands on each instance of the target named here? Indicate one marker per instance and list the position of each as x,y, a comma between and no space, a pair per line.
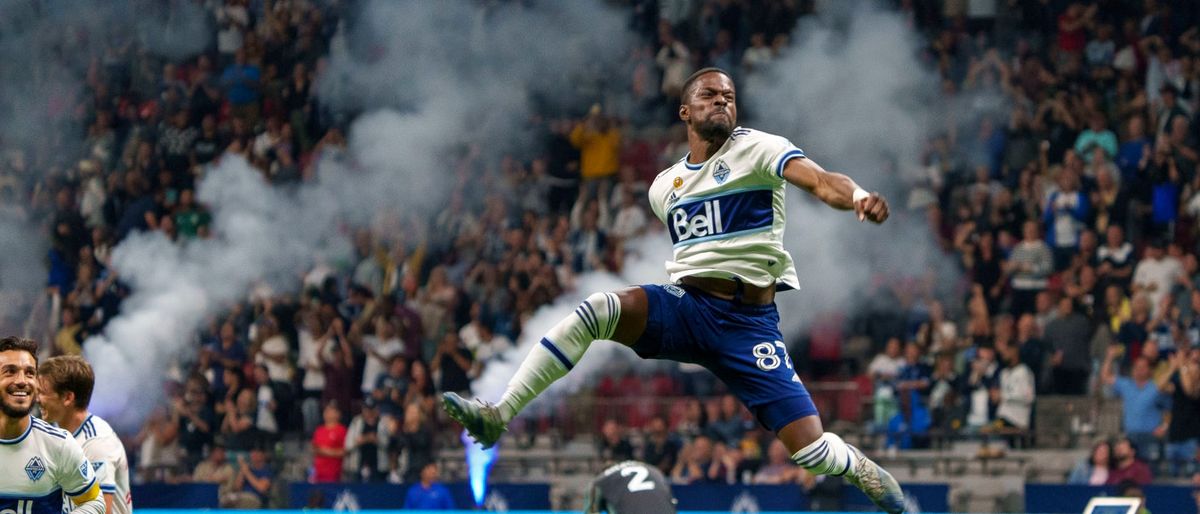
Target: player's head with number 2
18,376
65,386
707,104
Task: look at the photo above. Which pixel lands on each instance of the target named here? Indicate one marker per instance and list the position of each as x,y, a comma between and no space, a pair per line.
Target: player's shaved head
688,85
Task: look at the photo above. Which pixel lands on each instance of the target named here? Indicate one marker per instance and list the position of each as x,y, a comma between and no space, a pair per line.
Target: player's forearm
836,190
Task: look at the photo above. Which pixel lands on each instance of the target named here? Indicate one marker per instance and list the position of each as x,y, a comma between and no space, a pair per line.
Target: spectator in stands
884,369
338,366
1183,431
694,462
367,440
1034,350
976,389
216,470
310,360
909,428
391,388
415,440
1155,274
270,398
599,142
1126,465
1015,391
915,375
379,346
1096,136
779,469
1029,265
252,485
1093,470
1066,211
238,430
1116,258
729,425
454,365
195,418
661,447
428,493
944,401
1069,335
329,446
612,444
1141,403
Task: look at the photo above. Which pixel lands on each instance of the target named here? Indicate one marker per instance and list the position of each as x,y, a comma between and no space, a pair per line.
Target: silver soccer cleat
481,419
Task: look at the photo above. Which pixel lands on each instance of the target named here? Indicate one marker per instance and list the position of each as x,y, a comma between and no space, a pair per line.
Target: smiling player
41,463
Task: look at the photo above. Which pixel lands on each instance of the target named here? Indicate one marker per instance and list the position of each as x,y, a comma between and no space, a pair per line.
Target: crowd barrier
514,497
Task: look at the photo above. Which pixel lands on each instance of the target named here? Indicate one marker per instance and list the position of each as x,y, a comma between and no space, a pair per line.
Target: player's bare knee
801,433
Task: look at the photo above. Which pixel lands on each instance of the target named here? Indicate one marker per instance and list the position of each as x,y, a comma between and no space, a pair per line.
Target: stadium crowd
1070,201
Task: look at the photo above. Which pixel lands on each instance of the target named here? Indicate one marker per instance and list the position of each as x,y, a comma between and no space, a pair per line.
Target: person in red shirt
1126,466
1072,25
329,448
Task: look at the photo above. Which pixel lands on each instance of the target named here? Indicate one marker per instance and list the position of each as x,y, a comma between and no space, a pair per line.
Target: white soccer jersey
726,215
102,446
38,467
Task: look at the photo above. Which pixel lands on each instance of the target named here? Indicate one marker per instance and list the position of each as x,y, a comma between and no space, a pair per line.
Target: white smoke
643,266
422,77
853,95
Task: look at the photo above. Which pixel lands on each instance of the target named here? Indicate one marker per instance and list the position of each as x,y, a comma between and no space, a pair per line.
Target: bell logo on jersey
35,469
715,217
23,507
706,222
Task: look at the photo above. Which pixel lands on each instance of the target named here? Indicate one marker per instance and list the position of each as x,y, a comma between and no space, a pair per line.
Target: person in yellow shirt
599,142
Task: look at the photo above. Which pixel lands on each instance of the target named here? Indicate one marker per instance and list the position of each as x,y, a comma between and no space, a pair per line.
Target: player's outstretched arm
836,190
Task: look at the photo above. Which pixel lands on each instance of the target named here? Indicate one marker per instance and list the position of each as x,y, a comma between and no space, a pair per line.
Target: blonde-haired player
41,463
66,384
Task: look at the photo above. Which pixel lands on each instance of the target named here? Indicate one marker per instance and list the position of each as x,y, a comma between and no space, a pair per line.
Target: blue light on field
479,465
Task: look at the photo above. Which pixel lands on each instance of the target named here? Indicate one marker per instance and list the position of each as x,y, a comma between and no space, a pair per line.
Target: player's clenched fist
873,208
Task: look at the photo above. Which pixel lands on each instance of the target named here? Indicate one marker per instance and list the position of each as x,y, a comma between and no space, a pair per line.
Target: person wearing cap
367,444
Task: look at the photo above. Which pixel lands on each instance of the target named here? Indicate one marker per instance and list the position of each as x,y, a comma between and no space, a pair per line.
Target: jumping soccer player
723,205
66,384
41,462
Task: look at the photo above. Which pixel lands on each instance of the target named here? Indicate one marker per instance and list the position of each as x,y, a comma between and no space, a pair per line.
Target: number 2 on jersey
638,482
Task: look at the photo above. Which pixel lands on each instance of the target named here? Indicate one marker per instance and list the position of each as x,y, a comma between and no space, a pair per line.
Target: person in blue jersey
44,469
428,494
723,205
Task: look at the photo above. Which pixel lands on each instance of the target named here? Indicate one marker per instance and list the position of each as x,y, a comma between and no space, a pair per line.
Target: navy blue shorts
741,345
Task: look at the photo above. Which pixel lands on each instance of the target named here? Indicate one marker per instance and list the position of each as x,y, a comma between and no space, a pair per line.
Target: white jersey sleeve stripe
793,154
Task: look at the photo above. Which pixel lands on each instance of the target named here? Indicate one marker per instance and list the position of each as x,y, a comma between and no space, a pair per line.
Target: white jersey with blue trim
39,467
102,446
726,216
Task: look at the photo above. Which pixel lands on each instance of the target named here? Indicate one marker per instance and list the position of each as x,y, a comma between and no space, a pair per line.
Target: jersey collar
28,429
